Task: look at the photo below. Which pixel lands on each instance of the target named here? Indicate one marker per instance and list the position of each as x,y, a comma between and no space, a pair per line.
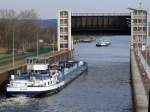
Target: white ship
42,78
103,43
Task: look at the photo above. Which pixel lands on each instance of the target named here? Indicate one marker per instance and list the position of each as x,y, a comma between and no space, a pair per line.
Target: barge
42,78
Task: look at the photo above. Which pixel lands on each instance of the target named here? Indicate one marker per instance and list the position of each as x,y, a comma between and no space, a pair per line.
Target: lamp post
13,42
37,44
53,42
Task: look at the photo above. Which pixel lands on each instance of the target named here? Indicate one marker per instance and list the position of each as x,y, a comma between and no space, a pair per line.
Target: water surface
104,87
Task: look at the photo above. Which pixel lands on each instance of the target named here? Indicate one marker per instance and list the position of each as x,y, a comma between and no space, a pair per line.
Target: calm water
104,88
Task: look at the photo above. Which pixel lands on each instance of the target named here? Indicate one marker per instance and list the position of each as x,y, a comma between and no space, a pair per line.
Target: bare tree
7,24
25,25
28,26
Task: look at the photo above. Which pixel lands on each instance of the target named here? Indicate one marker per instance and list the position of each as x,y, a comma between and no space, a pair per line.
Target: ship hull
40,91
34,91
102,45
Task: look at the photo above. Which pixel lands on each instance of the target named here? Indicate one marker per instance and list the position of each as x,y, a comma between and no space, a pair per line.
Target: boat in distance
102,43
86,40
42,78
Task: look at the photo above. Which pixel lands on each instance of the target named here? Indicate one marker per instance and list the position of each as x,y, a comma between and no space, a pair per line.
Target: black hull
102,45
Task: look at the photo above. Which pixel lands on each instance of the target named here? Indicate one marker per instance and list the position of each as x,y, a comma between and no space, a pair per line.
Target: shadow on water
104,88
3,89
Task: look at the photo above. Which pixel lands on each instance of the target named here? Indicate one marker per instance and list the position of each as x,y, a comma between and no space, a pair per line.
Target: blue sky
48,8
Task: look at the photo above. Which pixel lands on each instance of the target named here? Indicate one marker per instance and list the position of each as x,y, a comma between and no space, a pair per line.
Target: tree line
24,26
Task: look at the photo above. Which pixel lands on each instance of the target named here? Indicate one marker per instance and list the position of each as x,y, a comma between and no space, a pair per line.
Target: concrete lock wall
139,94
4,76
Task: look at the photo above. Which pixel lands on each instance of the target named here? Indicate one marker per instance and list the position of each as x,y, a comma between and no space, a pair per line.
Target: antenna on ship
140,5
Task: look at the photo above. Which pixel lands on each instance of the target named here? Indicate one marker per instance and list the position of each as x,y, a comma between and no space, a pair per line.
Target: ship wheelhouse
37,63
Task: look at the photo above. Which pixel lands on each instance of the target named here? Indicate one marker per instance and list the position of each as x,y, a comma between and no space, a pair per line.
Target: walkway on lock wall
144,63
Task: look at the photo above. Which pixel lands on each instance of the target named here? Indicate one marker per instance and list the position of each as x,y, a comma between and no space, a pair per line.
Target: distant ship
103,43
42,78
86,40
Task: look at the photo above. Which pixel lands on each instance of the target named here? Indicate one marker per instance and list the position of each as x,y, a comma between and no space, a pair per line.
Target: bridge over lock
100,24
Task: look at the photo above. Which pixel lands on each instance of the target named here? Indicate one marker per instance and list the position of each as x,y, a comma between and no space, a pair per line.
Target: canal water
105,87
